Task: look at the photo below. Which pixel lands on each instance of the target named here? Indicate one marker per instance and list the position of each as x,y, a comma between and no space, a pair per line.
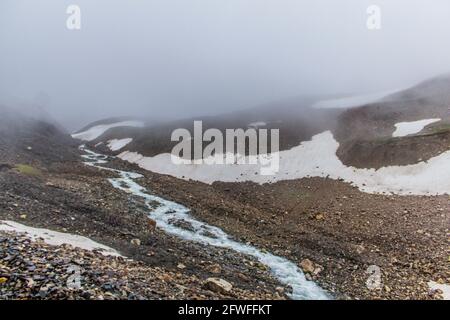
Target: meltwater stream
168,211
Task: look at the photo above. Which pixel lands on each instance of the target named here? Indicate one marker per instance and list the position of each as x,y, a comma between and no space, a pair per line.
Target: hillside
312,232
50,201
353,190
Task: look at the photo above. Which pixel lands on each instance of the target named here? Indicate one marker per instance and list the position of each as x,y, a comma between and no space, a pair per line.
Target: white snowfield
315,158
445,288
57,238
117,144
406,128
352,101
96,131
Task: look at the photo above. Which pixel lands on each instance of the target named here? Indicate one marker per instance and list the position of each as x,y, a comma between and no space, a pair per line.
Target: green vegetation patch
28,170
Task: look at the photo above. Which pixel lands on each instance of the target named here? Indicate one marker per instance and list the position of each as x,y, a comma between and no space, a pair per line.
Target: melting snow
117,144
315,158
445,288
96,131
57,238
413,127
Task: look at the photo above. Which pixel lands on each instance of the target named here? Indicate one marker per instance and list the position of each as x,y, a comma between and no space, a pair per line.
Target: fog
168,59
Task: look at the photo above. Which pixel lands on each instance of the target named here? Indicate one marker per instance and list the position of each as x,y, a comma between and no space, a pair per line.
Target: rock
151,224
30,283
279,290
43,292
307,266
181,266
360,248
218,285
319,216
136,242
243,277
215,269
317,269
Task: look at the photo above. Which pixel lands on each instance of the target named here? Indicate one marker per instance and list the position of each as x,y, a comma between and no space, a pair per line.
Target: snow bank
57,238
413,127
315,158
445,288
117,144
352,101
96,131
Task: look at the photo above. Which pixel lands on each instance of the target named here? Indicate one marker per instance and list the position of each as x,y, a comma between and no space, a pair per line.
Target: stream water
168,212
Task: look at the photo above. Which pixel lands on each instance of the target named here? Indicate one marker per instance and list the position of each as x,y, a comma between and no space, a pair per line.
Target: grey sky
176,58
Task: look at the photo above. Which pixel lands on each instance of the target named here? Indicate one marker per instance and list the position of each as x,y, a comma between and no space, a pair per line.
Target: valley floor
76,199
345,233
331,229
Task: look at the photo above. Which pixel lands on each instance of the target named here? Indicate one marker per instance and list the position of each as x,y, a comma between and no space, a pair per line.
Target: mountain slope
362,138
48,186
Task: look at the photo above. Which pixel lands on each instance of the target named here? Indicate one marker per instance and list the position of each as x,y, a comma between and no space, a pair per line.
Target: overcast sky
176,58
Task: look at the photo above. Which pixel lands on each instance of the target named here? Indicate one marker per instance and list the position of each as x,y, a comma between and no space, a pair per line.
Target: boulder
307,266
218,285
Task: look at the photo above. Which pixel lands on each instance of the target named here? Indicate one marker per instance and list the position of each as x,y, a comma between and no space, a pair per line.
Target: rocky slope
58,192
336,233
342,229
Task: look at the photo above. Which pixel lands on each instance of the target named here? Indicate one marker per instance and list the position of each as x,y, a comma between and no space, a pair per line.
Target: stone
320,216
151,224
307,266
218,285
136,242
360,249
215,269
279,290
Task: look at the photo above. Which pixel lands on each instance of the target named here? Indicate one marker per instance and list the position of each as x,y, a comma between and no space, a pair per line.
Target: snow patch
315,158
96,131
413,127
57,238
352,101
257,124
445,288
117,144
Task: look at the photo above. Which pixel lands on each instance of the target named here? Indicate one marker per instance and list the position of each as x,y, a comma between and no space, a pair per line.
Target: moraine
285,271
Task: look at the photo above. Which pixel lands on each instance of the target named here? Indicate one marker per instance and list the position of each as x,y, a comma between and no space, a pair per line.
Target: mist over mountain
224,150
175,59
